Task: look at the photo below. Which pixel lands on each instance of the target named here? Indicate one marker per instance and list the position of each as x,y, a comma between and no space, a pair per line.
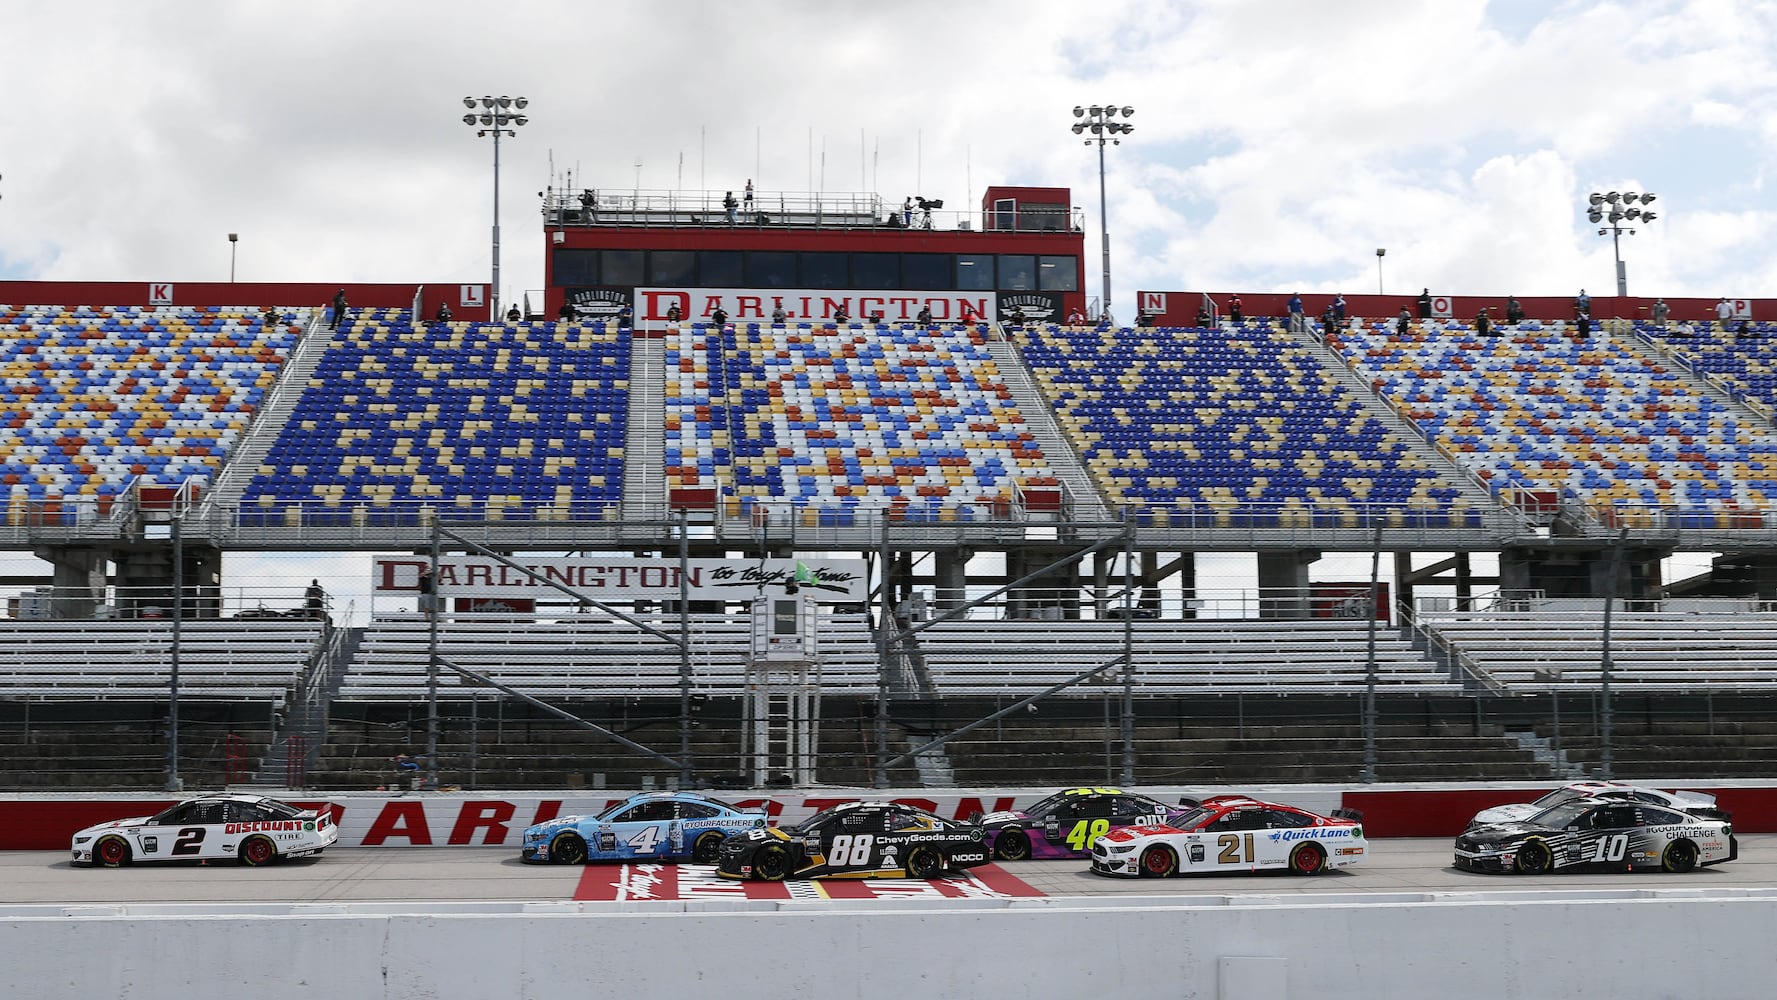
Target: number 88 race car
255,829
855,840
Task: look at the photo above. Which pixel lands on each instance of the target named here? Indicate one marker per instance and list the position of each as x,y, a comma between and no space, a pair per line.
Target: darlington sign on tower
840,581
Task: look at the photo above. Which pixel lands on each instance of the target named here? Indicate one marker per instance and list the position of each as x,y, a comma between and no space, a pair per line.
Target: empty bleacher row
517,419
95,397
249,659
837,419
587,656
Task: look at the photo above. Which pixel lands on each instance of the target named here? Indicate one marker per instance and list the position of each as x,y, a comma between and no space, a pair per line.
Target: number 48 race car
1065,824
255,829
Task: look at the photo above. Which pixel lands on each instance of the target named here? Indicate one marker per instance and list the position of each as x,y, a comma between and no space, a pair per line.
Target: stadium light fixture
496,119
1614,209
233,239
1099,121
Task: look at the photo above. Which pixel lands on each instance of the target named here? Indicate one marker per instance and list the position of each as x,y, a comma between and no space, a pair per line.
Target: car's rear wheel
258,851
111,852
567,849
924,862
1308,859
1679,856
707,848
1012,845
1158,862
1535,858
772,863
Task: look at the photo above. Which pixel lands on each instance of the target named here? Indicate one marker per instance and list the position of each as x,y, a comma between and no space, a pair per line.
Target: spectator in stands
314,600
1234,309
841,317
1661,312
747,199
1582,326
428,593
876,317
1514,310
719,317
925,316
1016,320
1484,324
778,316
339,308
1724,311
566,313
1339,307
1106,321
1403,322
1074,317
907,213
1582,305
1204,319
731,206
1743,331
268,317
674,314
626,317
1298,322
513,315
443,313
969,318
1425,304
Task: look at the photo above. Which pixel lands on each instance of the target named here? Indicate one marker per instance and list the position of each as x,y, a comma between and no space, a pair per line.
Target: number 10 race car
1597,835
255,829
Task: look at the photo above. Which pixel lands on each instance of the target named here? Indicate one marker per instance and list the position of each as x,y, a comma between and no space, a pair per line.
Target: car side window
203,813
1661,817
696,810
647,812
1286,819
1097,806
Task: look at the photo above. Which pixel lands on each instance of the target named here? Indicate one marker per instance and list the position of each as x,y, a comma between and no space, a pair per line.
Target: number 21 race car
856,840
1590,834
255,829
1232,834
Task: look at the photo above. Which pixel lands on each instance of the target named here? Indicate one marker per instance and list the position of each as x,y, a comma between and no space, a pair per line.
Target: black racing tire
1534,858
1308,859
1679,856
255,851
111,852
1158,862
924,862
707,848
1012,845
772,863
567,849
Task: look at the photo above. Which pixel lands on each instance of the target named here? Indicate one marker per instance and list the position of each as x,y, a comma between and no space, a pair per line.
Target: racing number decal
190,840
851,851
645,839
1230,845
1086,831
1612,848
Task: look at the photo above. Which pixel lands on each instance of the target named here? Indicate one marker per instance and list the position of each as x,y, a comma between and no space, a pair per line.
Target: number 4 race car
255,829
1065,824
1598,835
1231,834
856,840
660,826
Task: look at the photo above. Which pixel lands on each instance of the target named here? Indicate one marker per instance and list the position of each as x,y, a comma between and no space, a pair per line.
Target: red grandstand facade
459,295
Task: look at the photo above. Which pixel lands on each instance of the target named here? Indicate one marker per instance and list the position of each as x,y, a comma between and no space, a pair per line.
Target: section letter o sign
1440,306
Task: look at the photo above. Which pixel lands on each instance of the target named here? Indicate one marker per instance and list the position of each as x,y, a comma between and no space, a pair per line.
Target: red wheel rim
1307,860
259,852
1157,861
111,851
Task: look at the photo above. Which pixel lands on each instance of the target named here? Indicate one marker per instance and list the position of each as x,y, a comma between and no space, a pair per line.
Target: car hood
116,824
1493,832
1504,814
1003,817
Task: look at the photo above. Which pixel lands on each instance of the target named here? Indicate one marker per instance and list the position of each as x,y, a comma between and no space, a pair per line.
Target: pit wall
487,819
1206,948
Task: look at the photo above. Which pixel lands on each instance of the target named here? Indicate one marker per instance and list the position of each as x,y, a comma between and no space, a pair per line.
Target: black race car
1065,824
1598,835
855,840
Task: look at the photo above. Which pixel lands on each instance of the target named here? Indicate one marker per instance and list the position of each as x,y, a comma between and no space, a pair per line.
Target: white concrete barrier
1691,944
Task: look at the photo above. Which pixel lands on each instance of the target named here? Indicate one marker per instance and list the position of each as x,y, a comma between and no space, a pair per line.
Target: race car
856,840
655,826
1232,834
252,828
1592,834
1065,824
1696,803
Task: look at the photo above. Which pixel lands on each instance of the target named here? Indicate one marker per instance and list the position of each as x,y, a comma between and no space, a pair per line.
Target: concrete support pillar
1284,591
78,579
950,576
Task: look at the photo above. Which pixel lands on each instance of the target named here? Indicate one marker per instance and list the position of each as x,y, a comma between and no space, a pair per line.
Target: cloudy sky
1277,143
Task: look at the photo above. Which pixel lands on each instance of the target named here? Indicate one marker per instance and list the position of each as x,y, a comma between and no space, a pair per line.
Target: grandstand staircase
1653,352
1039,416
304,728
644,481
1542,750
293,380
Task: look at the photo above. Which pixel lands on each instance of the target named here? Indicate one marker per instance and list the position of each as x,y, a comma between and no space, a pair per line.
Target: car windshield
283,810
1047,805
1561,815
611,813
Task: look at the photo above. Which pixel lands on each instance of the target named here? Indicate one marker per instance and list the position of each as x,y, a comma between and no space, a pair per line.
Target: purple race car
1065,824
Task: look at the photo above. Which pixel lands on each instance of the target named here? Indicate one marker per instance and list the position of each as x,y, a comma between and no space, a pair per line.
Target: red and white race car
1233,834
253,828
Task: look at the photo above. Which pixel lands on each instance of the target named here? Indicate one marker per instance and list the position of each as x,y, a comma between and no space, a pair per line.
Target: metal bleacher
236,660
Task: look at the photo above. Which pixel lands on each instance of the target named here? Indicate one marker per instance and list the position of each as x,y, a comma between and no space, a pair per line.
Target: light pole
233,238
1621,208
498,115
1099,120
1381,252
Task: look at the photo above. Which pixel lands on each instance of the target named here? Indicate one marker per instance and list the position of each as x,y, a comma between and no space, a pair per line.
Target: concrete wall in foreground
1488,950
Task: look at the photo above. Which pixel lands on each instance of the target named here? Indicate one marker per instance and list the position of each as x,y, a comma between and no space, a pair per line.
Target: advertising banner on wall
1037,307
803,304
839,581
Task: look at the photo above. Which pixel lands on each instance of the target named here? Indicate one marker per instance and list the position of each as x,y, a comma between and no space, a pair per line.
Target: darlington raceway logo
598,303
1036,308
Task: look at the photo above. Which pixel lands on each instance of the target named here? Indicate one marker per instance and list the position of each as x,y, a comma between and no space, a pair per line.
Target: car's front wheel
111,852
707,848
1679,856
1012,845
567,849
772,863
1535,858
1158,862
258,851
924,862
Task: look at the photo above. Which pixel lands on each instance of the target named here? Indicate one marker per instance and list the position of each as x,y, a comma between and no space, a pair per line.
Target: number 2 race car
1065,824
856,840
660,826
1232,834
1590,834
255,829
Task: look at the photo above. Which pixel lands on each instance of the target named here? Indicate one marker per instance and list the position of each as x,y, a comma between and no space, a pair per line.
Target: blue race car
652,826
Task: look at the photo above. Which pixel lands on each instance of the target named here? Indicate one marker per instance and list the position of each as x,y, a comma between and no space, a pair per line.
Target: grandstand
1002,486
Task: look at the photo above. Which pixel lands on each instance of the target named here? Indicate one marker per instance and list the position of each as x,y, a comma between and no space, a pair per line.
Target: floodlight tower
1617,208
1100,121
498,115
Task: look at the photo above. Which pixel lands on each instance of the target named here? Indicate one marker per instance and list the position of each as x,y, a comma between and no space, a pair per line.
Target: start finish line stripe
608,883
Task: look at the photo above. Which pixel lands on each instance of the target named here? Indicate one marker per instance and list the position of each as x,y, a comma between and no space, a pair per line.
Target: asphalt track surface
489,874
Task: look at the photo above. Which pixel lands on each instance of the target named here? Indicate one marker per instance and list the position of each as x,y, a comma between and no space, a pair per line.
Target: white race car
1231,833
1697,804
253,828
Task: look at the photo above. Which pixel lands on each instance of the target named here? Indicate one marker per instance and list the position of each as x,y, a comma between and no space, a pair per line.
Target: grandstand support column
885,630
174,782
951,579
684,651
1604,660
1284,589
1128,707
77,580
1369,775
432,664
